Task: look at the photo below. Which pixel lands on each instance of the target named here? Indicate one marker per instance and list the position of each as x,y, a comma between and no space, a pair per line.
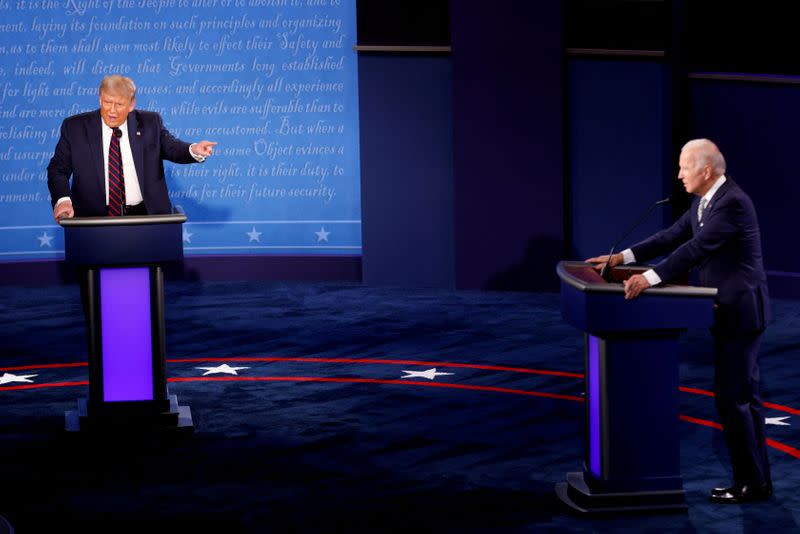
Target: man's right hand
63,211
600,261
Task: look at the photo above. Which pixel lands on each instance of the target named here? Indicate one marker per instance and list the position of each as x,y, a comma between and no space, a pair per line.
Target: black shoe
740,494
716,492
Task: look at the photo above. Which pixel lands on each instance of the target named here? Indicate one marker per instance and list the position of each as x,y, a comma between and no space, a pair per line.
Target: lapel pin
138,133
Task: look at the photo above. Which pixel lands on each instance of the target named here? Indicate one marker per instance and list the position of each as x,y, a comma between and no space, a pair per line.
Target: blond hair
116,84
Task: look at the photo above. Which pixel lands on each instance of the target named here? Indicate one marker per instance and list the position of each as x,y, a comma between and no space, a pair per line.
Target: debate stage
333,406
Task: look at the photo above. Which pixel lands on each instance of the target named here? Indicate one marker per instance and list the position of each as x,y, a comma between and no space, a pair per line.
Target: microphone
604,272
117,132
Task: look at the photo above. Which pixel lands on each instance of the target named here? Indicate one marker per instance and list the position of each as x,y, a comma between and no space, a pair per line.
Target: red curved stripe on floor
371,381
782,408
695,391
771,442
45,366
703,422
48,385
382,362
770,405
783,448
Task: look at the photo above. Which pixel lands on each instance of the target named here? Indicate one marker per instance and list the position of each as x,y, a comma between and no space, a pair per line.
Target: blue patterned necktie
116,179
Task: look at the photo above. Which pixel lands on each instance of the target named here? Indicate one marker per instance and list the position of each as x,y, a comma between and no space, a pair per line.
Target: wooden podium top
583,277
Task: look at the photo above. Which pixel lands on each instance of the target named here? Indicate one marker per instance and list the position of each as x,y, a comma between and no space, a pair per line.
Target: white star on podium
187,236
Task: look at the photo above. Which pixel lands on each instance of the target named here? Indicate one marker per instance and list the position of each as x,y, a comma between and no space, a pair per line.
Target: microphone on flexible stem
605,272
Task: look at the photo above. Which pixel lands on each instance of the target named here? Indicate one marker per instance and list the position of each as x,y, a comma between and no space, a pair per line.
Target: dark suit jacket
79,154
726,250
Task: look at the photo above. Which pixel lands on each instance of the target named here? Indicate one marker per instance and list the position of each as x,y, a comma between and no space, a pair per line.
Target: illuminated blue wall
273,81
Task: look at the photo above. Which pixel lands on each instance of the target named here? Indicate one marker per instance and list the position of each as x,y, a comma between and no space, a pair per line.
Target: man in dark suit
719,235
115,156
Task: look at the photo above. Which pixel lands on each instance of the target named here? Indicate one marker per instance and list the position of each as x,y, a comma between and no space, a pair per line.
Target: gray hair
706,153
118,85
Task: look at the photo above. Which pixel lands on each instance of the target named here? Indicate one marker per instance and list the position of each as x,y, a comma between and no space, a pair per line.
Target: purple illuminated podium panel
127,339
122,289
632,461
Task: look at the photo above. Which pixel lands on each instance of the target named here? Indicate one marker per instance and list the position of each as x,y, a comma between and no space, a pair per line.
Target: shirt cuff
652,277
197,157
61,201
628,257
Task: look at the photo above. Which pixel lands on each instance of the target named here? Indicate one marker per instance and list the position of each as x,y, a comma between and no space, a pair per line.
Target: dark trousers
738,400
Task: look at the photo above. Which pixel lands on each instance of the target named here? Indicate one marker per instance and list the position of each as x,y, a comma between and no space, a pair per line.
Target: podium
122,289
632,458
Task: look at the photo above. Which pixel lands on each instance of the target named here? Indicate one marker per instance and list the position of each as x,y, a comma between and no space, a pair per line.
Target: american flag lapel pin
138,133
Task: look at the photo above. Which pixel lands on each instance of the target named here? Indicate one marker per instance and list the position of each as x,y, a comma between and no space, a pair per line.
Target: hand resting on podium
633,285
63,211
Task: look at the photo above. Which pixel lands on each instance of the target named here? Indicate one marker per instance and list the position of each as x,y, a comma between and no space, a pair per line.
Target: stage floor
337,407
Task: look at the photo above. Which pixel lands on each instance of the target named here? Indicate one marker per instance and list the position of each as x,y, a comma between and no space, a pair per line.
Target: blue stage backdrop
273,81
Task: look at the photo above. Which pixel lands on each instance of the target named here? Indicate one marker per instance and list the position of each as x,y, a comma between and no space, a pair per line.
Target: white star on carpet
44,240
224,368
430,374
187,236
322,235
8,377
777,421
254,235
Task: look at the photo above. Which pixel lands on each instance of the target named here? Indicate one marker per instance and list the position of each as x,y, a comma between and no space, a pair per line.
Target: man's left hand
635,285
204,148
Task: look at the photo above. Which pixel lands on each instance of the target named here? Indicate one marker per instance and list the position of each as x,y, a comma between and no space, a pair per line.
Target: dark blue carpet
366,450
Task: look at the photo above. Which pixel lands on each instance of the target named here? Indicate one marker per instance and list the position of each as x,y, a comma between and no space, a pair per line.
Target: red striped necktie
116,179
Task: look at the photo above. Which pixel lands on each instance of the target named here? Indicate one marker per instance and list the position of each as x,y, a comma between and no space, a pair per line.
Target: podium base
177,420
576,494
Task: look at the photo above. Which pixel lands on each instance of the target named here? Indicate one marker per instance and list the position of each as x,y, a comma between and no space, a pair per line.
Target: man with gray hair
115,157
719,235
